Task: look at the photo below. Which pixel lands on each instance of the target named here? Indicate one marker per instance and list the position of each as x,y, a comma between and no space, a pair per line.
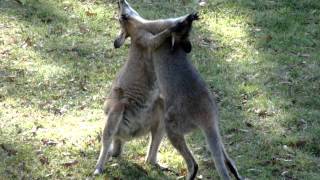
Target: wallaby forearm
154,26
150,41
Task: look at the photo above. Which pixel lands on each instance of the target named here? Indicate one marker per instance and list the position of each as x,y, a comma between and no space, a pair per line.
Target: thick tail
231,165
216,148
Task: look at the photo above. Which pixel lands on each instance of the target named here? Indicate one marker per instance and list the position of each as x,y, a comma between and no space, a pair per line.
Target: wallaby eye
124,17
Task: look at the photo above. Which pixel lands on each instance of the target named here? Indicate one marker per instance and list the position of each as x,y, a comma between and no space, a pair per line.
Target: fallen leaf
114,165
59,111
302,124
202,2
83,29
272,161
304,55
237,130
82,153
44,160
257,29
66,154
298,144
27,43
48,175
183,172
284,173
244,130
256,170
248,124
260,112
11,78
48,142
200,176
70,163
269,38
90,14
180,177
285,160
39,152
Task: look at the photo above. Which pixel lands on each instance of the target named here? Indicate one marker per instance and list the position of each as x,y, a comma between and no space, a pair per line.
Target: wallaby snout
126,9
119,41
125,12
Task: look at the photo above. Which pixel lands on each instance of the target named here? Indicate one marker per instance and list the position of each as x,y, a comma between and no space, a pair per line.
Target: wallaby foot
97,171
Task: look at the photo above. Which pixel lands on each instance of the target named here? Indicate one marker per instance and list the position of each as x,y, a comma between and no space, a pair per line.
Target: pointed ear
186,45
172,42
119,41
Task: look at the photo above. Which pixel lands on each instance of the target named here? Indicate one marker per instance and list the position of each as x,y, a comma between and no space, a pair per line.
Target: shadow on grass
72,63
273,85
39,160
68,69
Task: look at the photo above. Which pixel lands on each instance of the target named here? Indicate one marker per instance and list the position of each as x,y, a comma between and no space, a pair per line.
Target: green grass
260,58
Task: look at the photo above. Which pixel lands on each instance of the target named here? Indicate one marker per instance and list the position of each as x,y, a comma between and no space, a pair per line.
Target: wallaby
134,107
187,100
188,103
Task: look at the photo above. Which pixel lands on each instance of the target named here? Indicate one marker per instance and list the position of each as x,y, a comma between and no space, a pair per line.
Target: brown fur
134,107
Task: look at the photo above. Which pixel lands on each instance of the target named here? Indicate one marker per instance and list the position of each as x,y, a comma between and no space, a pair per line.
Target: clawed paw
193,16
185,23
97,172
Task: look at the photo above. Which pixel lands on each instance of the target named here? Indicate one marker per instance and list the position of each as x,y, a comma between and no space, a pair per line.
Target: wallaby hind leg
231,165
216,147
157,131
178,142
114,117
155,140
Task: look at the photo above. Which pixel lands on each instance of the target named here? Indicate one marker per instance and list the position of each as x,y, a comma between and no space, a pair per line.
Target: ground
261,59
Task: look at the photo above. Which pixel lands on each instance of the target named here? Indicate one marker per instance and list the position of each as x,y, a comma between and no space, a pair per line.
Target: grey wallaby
187,100
134,107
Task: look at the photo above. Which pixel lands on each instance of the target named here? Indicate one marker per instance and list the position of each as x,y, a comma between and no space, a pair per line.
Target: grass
260,58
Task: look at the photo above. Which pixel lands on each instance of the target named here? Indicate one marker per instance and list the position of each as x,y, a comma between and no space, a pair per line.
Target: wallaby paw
193,16
97,172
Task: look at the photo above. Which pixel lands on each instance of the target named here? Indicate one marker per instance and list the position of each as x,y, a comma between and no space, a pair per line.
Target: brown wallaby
134,107
187,101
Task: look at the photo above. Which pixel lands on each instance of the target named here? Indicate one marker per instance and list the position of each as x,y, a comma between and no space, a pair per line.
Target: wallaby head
180,37
129,19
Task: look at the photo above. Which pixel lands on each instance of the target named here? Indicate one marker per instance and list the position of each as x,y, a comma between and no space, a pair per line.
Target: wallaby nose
124,4
126,8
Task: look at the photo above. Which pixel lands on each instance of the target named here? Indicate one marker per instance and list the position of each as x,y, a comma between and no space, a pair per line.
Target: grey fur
187,100
134,107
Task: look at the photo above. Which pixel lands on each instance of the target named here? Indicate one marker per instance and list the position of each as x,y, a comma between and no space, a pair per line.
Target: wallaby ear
172,42
119,41
186,46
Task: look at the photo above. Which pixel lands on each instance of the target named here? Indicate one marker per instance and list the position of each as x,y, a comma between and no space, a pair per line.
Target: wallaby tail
216,148
223,162
231,165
